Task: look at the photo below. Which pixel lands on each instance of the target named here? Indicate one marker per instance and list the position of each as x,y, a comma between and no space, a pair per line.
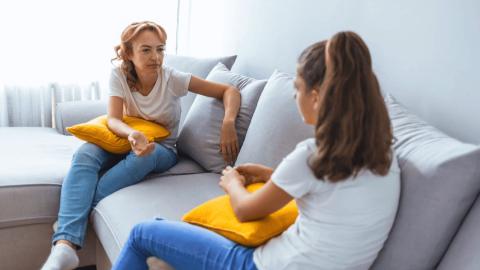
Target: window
71,41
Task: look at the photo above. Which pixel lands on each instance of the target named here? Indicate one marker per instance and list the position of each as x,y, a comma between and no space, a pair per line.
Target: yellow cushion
217,215
96,131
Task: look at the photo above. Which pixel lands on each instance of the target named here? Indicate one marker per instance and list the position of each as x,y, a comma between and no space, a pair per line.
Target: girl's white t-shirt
161,105
340,225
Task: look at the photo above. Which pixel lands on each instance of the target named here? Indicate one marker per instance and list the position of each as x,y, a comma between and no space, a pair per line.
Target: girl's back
340,225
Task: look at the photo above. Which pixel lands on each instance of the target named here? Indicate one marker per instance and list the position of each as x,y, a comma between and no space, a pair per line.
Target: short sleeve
293,175
115,85
179,82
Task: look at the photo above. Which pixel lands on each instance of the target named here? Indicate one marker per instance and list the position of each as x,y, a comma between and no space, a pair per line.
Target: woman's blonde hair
124,49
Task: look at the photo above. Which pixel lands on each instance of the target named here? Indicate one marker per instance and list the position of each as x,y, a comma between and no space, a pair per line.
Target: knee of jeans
163,154
140,231
88,153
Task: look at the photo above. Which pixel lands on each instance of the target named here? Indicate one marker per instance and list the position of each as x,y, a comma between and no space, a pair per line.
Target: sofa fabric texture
440,181
200,135
276,127
199,67
465,246
164,197
71,113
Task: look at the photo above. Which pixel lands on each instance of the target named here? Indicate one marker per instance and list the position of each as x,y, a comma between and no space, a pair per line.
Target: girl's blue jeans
183,246
95,174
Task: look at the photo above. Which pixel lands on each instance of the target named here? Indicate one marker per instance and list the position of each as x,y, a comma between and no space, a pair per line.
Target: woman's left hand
229,142
230,177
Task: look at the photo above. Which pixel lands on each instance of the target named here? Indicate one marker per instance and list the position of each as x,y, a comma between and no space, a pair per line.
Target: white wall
426,52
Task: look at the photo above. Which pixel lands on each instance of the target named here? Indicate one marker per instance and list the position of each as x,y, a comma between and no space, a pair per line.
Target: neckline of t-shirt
155,87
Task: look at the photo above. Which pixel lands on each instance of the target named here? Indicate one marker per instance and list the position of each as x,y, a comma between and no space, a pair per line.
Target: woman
142,87
345,181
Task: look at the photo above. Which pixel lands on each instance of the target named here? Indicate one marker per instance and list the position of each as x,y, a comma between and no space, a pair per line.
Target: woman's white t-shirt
161,105
340,225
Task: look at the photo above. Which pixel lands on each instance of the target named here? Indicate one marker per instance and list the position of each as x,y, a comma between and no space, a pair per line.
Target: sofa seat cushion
167,197
33,165
34,162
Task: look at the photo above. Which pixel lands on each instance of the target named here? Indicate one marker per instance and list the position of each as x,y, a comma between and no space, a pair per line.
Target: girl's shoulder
307,145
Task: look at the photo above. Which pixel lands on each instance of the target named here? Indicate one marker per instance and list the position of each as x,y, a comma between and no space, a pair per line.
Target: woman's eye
145,50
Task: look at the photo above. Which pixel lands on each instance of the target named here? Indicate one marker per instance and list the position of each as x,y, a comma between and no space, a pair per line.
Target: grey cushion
167,197
199,67
440,181
75,112
463,251
276,126
200,136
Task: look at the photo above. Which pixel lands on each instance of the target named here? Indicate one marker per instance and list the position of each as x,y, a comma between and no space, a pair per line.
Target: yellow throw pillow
217,215
96,131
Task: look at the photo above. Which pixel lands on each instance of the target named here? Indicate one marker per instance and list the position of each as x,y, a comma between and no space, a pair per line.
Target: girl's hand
231,178
229,142
254,173
139,143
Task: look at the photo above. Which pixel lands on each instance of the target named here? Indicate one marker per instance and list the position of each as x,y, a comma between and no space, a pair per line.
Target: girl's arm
251,206
231,100
138,141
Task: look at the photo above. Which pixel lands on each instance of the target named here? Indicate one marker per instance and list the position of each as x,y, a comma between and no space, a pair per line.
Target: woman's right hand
139,143
254,173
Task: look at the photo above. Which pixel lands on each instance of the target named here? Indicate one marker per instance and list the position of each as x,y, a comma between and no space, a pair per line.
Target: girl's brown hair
124,49
353,130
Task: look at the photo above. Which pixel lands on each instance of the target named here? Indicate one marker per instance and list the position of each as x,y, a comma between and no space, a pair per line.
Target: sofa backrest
199,67
439,183
70,113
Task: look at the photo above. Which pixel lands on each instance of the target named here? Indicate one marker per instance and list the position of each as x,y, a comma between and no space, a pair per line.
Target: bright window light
71,41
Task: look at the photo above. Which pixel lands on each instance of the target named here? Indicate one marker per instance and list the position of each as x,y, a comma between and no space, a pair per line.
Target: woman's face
147,52
307,101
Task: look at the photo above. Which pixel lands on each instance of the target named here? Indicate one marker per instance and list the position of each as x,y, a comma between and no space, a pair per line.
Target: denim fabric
95,174
184,247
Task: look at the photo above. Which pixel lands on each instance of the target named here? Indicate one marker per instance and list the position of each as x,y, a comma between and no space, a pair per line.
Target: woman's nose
158,56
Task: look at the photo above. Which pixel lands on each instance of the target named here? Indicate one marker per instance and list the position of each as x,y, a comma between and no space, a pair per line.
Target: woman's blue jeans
95,174
183,246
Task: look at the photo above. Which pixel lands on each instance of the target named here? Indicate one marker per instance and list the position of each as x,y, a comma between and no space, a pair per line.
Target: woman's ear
315,98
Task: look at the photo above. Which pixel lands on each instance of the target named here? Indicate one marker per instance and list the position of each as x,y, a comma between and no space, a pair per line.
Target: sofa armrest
74,112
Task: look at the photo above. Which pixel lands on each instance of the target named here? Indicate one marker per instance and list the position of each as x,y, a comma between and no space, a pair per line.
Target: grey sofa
436,225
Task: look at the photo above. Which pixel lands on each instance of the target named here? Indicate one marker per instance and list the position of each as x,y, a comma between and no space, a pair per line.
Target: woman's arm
138,141
231,100
251,206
